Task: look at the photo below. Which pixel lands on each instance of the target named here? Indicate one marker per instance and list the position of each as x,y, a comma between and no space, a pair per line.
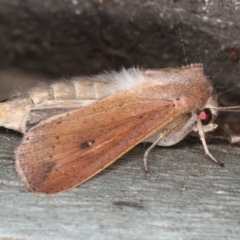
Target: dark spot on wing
86,145
48,167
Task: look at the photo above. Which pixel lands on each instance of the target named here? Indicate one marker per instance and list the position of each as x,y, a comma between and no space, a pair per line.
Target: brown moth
75,129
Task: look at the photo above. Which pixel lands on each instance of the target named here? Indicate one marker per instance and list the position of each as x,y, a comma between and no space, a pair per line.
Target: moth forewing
67,149
52,108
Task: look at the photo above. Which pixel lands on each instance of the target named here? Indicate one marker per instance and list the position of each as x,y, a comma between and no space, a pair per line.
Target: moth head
210,111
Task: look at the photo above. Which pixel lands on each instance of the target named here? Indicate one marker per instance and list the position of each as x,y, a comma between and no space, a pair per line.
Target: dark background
62,38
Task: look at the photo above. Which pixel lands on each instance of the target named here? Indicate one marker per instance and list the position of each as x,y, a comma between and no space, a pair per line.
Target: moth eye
205,116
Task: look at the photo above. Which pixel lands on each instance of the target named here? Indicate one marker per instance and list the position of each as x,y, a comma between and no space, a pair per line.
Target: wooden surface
184,196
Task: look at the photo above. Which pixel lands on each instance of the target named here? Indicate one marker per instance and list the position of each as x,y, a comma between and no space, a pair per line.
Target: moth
75,129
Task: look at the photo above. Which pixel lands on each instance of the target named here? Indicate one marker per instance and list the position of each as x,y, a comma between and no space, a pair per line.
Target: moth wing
68,149
51,108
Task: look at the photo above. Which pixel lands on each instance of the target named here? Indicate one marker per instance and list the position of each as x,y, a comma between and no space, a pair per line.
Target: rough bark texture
83,37
185,196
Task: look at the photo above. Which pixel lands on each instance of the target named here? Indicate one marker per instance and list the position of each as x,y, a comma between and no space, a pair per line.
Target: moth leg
231,136
202,138
149,150
210,127
225,133
172,134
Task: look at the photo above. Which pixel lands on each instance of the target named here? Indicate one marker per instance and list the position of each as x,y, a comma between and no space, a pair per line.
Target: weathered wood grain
185,196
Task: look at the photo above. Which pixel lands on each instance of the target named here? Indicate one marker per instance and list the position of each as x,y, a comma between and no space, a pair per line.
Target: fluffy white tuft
121,81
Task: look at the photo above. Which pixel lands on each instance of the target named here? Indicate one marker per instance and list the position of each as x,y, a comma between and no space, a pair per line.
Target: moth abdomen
38,103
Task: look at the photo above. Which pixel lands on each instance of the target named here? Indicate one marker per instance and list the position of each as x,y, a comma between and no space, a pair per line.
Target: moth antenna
221,69
181,38
149,150
228,90
233,74
212,62
202,138
228,109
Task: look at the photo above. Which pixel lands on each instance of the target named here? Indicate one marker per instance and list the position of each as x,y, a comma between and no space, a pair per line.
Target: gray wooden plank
184,197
